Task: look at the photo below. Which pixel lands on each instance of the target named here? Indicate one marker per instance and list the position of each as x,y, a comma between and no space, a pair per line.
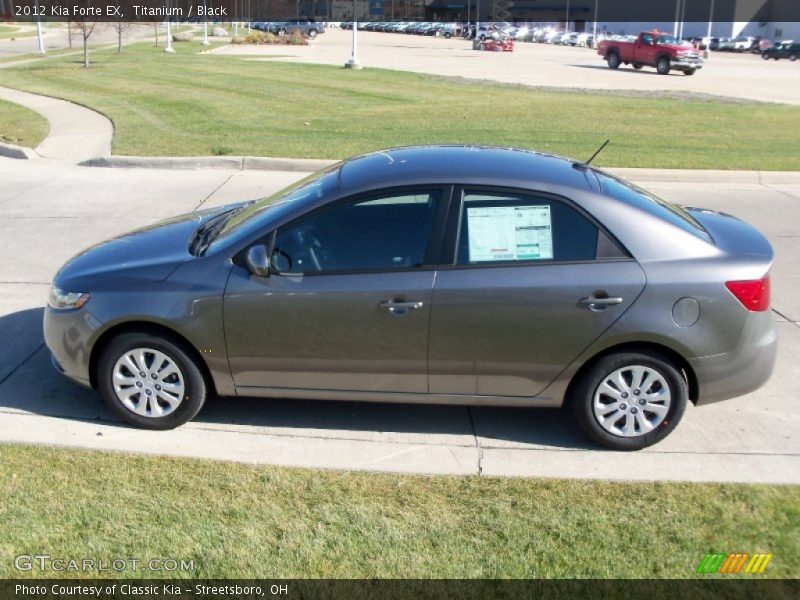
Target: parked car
726,45
457,275
744,43
584,39
653,49
790,51
487,30
309,28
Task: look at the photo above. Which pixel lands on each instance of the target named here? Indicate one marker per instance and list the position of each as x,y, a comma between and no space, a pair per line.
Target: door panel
510,330
328,332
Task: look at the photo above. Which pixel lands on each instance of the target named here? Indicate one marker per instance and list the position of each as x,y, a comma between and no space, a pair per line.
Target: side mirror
258,260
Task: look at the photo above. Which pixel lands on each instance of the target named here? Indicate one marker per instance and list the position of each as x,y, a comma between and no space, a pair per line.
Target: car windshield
667,39
311,188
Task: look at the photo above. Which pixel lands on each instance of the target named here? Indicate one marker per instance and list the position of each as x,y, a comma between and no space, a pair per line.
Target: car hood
151,253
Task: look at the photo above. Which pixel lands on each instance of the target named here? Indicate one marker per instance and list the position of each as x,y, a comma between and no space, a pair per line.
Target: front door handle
600,302
400,307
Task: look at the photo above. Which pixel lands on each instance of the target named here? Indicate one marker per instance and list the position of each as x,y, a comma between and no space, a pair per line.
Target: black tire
312,33
483,38
637,66
612,58
583,392
447,35
662,66
195,387
792,57
281,32
765,56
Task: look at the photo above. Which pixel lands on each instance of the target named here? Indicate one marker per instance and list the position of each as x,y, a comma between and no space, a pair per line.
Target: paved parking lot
741,76
48,212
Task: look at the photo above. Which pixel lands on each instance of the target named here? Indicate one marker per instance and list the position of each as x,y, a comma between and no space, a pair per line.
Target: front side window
384,232
647,40
497,227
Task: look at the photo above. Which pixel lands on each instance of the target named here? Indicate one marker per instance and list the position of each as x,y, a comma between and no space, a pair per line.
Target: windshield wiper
209,231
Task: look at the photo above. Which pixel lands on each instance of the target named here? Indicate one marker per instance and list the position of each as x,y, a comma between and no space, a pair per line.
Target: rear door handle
399,308
600,302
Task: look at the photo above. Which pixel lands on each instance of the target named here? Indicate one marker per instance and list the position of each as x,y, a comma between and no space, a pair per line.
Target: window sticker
498,233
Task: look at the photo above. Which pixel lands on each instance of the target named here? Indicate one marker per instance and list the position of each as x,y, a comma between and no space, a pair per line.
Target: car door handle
594,301
399,308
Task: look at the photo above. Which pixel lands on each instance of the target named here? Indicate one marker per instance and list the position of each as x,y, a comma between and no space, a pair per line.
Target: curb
12,151
259,163
239,163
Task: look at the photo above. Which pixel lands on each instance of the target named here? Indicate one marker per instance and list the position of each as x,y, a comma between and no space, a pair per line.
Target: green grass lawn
236,520
21,126
186,104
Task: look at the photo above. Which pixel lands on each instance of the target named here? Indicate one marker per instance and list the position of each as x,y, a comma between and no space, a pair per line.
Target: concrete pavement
49,211
742,77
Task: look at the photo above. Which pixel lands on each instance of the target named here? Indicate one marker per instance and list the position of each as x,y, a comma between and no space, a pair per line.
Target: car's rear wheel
628,401
793,57
765,56
151,381
662,66
613,60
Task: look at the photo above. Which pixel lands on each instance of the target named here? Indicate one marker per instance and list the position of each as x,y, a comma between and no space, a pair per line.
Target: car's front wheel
312,33
613,60
151,381
628,401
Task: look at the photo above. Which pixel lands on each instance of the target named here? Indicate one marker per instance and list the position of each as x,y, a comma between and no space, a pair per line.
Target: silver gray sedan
443,274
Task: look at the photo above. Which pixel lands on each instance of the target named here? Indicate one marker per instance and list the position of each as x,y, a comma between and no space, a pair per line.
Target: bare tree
86,29
155,30
69,33
121,24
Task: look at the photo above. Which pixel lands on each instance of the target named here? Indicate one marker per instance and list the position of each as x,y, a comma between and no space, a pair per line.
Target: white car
743,44
584,39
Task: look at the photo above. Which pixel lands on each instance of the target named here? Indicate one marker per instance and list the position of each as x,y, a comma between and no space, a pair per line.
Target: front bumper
687,63
66,335
745,369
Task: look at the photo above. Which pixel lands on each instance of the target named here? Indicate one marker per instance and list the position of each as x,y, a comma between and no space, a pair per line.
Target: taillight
753,294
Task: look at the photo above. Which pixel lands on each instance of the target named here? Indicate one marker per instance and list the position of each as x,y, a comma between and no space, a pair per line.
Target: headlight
61,300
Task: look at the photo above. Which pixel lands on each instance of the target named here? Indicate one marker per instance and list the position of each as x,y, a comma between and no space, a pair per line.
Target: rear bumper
745,369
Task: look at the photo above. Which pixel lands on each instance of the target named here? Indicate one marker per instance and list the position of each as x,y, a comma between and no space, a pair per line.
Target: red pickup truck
652,49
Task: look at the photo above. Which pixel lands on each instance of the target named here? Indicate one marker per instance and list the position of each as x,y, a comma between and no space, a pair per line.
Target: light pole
566,23
677,14
168,46
594,29
708,37
353,62
39,40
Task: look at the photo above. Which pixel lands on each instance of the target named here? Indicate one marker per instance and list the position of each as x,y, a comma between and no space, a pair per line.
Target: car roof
456,163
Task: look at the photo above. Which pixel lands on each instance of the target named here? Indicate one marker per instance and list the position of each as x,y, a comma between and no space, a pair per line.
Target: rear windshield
635,196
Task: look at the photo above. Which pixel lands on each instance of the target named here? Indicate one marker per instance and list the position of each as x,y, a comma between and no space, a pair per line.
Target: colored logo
739,562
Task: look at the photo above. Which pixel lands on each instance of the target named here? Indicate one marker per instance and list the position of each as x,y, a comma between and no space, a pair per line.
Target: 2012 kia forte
463,275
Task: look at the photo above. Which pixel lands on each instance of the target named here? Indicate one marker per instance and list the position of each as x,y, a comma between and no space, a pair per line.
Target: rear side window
635,196
502,228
